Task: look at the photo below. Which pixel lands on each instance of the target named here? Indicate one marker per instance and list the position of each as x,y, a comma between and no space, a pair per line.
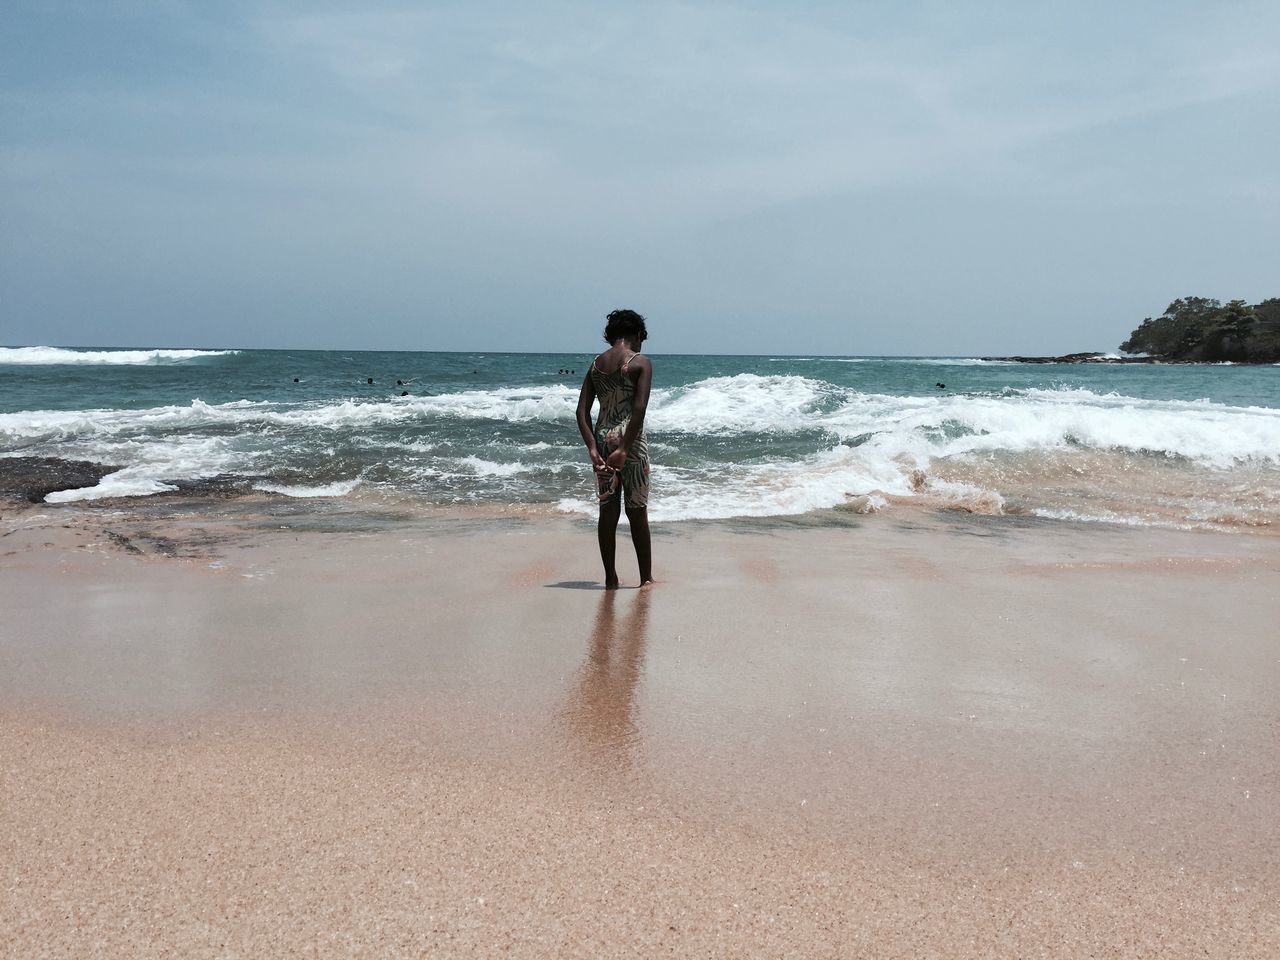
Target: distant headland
1194,330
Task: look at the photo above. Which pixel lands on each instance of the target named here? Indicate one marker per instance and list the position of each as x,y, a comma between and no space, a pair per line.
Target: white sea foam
926,426
488,468
943,425
339,488
885,439
802,443
129,482
1204,431
743,404
515,405
783,488
551,403
63,355
940,361
152,462
780,489
1097,515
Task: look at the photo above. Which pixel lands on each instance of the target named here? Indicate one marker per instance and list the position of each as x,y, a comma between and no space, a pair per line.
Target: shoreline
232,499
926,734
733,436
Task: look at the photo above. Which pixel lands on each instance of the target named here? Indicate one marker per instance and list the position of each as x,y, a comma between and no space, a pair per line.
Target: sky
839,178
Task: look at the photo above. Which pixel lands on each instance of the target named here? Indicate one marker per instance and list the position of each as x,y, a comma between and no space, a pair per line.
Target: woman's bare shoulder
606,363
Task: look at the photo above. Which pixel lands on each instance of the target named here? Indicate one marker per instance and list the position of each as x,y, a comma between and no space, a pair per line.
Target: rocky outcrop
31,479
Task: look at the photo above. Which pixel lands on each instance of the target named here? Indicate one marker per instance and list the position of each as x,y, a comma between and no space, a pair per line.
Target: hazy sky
887,178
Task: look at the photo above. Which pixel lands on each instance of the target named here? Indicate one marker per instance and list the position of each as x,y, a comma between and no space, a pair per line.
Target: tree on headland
1264,342
1229,330
1176,332
1201,329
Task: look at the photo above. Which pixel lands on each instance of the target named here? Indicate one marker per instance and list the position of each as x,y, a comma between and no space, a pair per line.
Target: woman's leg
635,483
638,517
606,532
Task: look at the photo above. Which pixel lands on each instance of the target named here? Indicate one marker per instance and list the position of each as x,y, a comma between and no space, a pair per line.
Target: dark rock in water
31,479
123,542
221,486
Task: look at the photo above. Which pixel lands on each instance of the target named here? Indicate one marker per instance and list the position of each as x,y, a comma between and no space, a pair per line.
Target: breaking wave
742,445
49,356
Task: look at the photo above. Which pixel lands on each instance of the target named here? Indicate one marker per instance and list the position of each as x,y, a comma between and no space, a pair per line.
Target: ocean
730,436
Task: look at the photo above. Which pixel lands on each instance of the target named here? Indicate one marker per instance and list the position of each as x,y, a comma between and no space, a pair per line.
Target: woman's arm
640,403
586,398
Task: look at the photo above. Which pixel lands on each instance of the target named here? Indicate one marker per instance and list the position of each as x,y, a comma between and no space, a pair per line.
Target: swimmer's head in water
625,323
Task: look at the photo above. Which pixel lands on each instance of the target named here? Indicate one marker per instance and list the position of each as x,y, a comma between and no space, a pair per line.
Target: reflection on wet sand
600,711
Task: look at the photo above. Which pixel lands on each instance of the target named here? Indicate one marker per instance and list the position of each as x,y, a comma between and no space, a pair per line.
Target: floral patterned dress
616,394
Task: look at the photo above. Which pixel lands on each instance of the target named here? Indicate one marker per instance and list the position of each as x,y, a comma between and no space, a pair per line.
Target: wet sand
902,736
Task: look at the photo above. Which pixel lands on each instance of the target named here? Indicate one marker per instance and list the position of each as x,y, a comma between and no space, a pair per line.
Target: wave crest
53,356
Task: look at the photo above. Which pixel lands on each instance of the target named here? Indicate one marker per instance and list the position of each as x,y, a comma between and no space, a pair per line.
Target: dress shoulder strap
630,357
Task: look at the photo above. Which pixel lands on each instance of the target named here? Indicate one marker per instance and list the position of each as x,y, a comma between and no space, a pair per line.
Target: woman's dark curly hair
625,323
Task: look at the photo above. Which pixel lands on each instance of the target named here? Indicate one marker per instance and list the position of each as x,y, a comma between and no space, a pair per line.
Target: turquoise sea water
730,435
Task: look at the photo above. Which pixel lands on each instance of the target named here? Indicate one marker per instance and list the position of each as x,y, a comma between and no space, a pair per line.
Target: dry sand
900,737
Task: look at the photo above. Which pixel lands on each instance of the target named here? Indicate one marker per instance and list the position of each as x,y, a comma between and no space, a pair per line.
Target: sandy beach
904,735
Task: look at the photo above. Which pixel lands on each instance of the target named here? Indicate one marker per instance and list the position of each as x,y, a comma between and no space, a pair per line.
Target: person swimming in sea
620,378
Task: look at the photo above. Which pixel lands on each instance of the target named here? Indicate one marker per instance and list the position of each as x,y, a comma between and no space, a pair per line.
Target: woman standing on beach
620,379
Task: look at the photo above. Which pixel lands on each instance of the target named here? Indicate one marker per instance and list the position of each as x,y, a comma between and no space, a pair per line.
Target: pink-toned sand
911,736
